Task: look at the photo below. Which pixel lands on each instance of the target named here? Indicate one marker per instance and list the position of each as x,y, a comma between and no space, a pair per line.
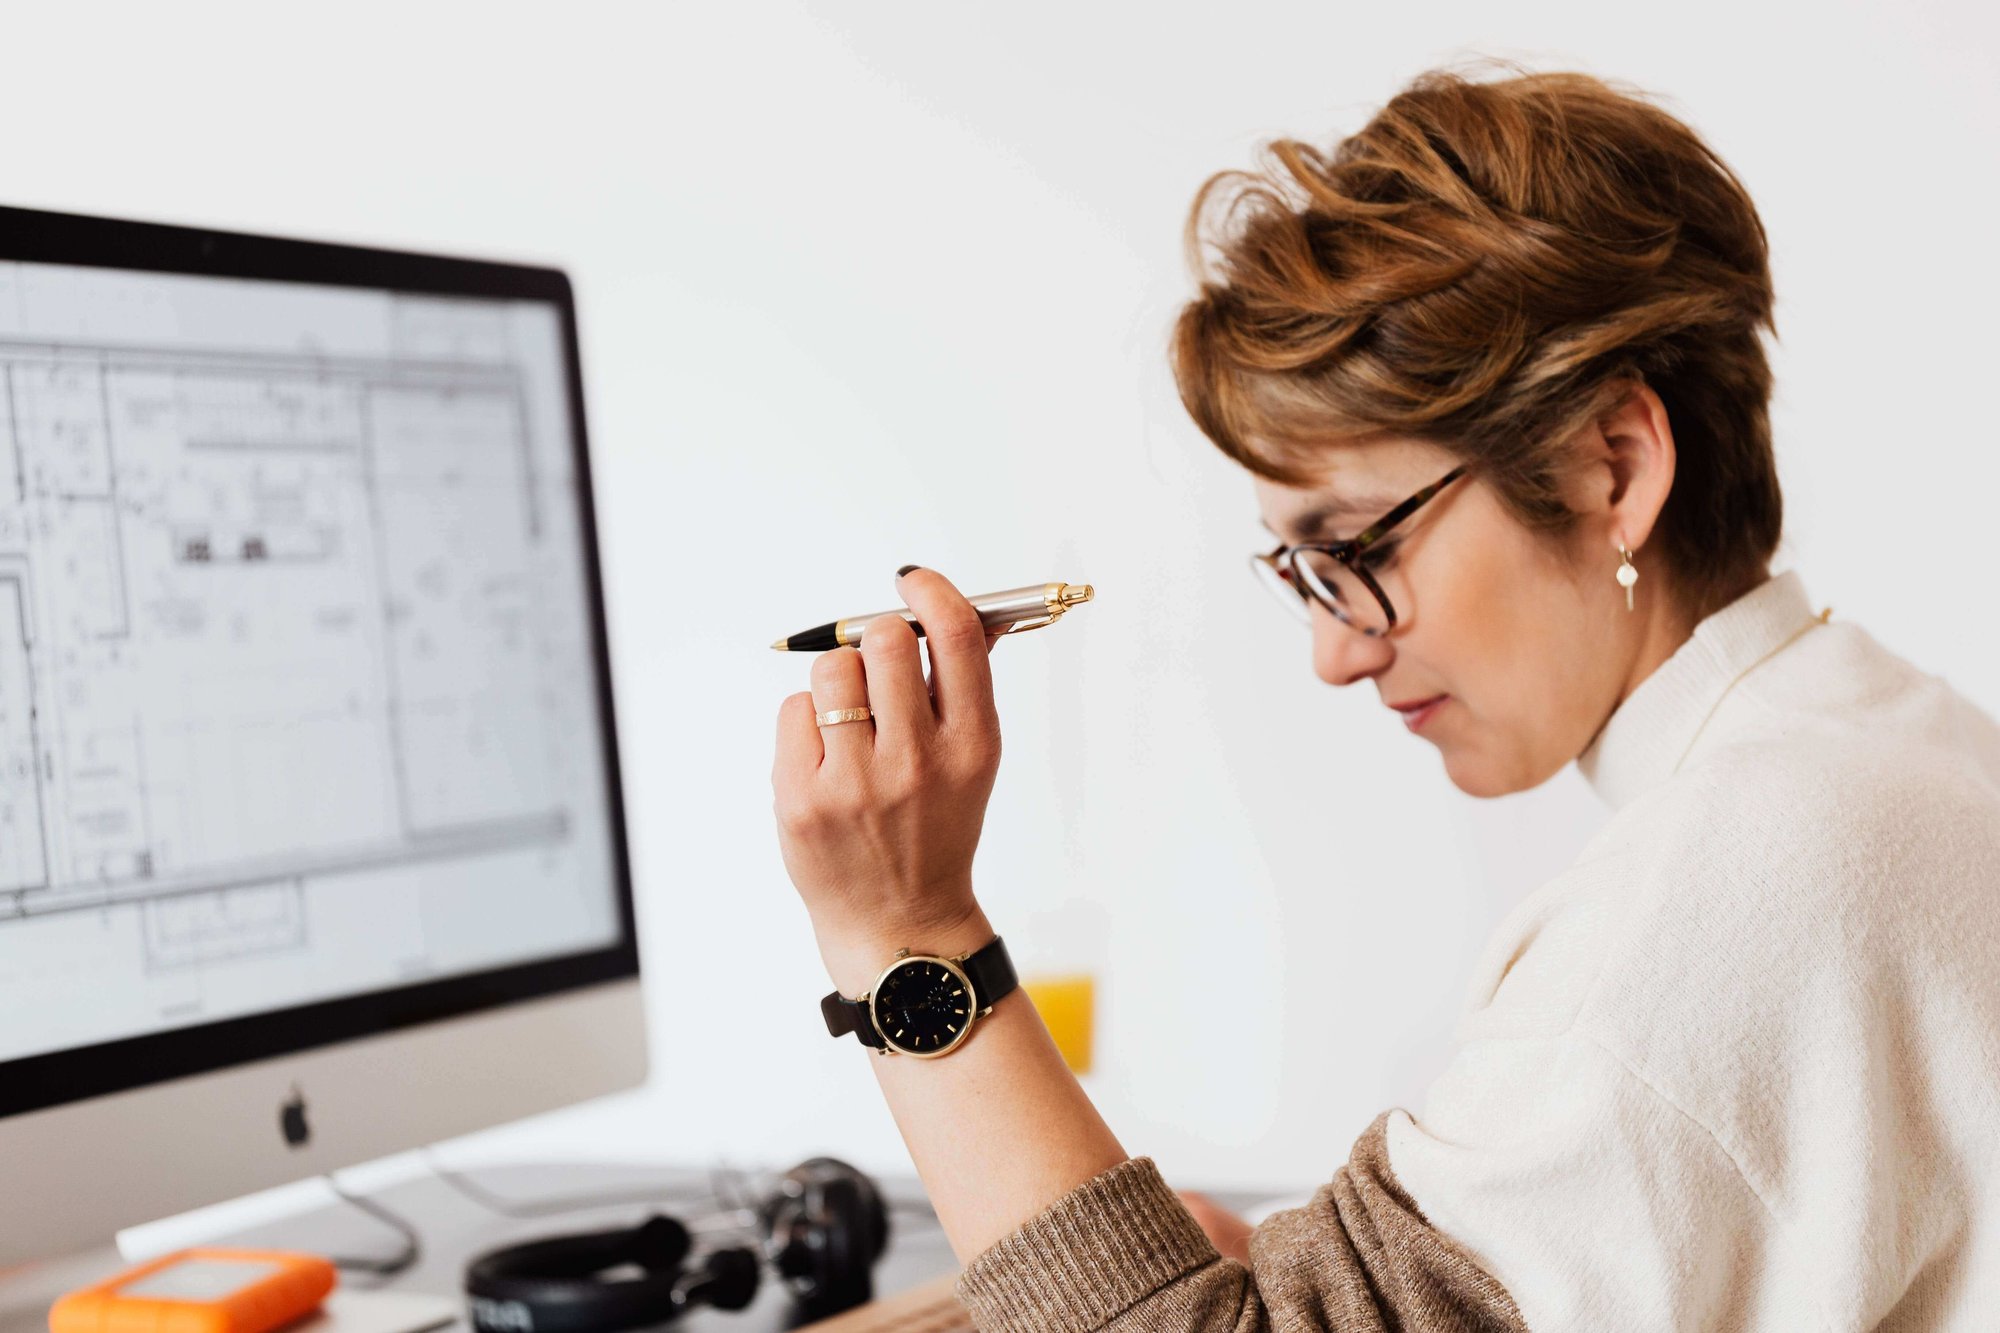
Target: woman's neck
1664,633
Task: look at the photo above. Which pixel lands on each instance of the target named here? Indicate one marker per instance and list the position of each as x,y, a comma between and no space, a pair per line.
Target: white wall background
869,284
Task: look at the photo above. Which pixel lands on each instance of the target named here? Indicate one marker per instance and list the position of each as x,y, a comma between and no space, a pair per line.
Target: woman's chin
1476,774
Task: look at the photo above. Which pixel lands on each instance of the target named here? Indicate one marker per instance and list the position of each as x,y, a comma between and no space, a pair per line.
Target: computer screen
304,707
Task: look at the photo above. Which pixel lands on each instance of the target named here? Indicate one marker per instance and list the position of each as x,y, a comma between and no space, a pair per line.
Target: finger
800,750
838,681
893,667
961,677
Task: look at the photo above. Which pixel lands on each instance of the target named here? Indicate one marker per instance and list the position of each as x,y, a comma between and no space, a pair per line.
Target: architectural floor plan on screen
297,692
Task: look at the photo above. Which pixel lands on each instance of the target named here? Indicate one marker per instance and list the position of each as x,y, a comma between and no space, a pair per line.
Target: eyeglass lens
1282,588
1326,580
1341,589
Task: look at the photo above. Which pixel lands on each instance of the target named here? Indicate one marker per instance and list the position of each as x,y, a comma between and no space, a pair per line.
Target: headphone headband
826,1227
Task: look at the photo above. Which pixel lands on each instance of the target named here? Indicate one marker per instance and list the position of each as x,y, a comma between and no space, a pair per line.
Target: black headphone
822,1229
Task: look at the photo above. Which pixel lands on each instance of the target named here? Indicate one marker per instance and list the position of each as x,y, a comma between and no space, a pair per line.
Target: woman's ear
1629,468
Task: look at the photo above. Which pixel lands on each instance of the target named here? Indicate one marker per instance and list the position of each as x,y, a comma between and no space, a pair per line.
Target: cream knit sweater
1736,1068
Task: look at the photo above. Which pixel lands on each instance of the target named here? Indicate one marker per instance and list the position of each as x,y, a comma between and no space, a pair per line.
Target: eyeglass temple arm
1373,532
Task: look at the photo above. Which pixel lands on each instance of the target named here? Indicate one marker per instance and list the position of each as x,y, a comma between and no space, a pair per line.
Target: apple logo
292,1119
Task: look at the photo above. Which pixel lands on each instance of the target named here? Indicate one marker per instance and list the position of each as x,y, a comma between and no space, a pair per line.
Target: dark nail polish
906,569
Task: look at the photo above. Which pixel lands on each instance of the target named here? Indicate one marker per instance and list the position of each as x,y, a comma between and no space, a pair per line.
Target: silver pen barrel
1007,612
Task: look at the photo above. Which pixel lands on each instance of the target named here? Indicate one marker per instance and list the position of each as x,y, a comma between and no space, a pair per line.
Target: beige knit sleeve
1120,1252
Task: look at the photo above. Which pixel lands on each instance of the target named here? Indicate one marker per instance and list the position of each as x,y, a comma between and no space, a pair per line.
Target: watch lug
902,953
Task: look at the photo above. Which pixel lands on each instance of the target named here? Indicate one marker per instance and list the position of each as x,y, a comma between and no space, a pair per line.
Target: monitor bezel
55,1078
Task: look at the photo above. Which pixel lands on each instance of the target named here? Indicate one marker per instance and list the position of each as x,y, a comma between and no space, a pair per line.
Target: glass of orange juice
1061,955
1067,1004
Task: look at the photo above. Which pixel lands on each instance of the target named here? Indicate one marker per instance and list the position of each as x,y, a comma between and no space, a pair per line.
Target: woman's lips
1414,718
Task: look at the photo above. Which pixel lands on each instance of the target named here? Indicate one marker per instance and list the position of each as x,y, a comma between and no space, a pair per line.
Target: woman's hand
1230,1233
878,820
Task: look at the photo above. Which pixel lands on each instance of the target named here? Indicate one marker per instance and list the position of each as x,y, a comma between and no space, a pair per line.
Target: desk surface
454,1227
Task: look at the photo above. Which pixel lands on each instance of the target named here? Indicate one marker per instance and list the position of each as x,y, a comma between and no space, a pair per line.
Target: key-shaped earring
1628,574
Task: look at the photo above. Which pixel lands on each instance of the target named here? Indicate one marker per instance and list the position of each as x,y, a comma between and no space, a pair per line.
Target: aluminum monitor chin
311,842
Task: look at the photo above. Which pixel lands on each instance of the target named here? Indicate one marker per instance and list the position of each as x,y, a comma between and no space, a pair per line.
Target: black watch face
923,1007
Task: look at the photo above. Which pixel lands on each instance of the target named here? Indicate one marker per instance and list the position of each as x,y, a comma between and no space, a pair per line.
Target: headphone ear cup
660,1244
732,1277
814,1224
846,1274
875,1215
874,1212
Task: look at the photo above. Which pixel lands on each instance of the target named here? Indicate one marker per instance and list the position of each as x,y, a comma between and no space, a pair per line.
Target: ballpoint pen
1009,612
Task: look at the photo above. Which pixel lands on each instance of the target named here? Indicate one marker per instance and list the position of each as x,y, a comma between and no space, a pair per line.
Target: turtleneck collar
1651,732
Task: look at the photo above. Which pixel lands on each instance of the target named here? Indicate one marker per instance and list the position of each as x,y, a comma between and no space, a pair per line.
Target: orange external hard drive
202,1290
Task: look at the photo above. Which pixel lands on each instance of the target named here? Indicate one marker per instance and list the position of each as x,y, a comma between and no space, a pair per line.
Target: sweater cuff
1098,1250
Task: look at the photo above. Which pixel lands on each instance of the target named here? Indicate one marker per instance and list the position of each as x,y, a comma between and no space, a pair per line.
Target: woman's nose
1343,654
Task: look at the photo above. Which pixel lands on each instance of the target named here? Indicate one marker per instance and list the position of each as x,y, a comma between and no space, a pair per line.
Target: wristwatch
924,1005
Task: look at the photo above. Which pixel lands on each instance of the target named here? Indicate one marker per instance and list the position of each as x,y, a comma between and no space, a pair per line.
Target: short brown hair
1488,265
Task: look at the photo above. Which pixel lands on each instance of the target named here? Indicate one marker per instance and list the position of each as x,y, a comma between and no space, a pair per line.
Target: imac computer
311,847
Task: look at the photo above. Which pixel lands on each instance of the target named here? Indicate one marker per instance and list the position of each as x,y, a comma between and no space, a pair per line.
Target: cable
506,1207
412,1246
728,1189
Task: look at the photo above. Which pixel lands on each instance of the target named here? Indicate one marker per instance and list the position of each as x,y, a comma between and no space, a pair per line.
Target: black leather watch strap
843,1016
991,972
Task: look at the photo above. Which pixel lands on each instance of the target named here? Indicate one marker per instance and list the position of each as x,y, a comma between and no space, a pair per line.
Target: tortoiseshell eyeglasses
1337,575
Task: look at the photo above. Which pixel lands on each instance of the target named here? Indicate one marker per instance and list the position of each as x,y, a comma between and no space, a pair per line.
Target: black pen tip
815,640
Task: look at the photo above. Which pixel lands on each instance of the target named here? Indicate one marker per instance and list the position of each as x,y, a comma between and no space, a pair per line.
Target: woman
1495,367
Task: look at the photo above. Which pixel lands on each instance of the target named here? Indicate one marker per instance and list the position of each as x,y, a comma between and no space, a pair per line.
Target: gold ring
835,716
